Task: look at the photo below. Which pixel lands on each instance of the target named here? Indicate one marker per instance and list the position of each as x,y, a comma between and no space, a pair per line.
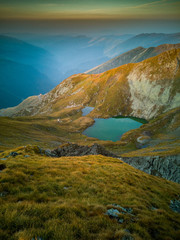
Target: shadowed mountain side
143,90
18,81
22,52
133,56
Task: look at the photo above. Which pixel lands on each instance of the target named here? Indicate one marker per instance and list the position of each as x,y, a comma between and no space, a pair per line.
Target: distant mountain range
145,89
133,56
79,53
145,40
46,61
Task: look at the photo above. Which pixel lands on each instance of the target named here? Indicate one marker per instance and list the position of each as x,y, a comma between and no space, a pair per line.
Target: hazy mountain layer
77,54
55,58
133,56
143,89
22,52
144,40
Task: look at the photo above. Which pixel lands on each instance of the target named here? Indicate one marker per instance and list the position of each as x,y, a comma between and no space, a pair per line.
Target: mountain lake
112,128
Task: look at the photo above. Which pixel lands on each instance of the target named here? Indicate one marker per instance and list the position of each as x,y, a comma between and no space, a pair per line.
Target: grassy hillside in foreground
67,198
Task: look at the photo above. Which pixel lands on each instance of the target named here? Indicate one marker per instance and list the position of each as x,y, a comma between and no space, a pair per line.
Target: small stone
65,188
13,154
3,159
126,210
3,194
114,213
26,156
121,220
153,208
127,237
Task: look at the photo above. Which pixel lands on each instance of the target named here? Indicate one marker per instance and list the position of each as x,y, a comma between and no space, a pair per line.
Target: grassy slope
35,203
165,135
45,132
48,133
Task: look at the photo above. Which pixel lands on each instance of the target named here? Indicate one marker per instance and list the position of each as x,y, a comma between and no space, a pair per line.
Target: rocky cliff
163,166
143,89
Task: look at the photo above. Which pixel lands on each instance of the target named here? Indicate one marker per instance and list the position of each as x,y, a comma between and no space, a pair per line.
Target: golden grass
45,132
66,198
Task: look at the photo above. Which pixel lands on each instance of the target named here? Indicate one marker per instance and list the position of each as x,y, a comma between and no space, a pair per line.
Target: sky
81,14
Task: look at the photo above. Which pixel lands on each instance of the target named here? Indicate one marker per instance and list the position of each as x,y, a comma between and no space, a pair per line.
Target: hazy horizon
89,17
88,27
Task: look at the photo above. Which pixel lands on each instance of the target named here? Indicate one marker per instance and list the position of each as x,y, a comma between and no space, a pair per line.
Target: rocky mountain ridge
133,56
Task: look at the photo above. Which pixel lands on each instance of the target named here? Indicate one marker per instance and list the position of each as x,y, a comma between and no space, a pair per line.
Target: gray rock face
175,205
78,150
167,167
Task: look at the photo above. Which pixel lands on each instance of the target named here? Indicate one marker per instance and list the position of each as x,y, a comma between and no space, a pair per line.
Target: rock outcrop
70,149
163,166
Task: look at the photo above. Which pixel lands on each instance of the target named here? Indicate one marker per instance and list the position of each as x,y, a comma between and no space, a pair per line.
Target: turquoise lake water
112,128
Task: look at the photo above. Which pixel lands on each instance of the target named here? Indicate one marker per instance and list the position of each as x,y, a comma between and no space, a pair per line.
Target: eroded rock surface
163,166
70,149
